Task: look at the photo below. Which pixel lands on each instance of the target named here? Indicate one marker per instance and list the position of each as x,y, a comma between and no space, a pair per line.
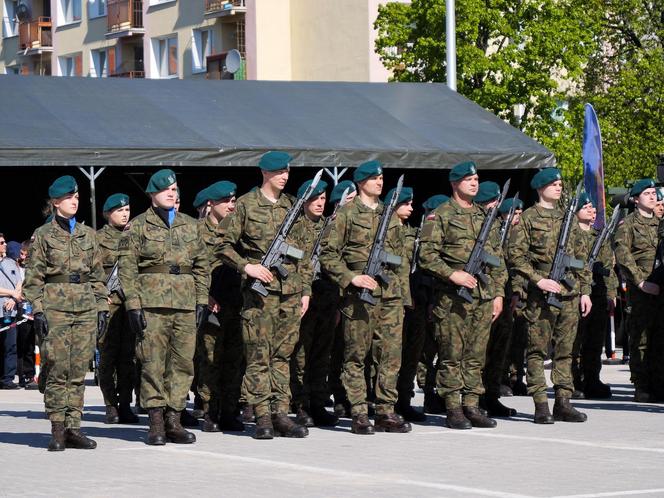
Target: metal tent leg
335,175
92,176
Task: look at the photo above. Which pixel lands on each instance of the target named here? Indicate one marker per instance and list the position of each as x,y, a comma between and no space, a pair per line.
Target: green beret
487,192
321,186
201,198
274,161
221,190
640,185
545,176
434,201
115,201
64,185
339,188
506,205
584,199
462,170
161,180
367,170
405,195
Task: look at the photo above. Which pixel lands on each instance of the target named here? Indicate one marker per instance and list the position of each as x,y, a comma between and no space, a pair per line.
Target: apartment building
310,40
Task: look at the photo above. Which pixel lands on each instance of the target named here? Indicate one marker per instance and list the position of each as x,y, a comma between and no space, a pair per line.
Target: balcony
125,18
35,36
129,69
224,8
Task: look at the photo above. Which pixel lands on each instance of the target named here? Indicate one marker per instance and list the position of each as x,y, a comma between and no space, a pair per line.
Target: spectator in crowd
10,298
25,333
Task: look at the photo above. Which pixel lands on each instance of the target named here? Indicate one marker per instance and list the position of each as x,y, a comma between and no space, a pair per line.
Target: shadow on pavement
24,414
33,440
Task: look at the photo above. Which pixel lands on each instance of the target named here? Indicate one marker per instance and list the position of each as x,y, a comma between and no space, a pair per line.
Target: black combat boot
409,413
391,422
209,424
74,438
126,415
285,427
496,409
542,413
477,418
264,428
303,418
187,419
112,416
57,442
362,425
323,418
248,414
228,421
433,403
175,433
457,420
563,411
157,432
342,408
596,389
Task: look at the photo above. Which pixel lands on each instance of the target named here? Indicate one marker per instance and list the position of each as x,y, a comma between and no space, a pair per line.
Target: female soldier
64,283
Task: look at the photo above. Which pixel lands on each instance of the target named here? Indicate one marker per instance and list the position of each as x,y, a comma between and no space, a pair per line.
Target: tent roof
50,121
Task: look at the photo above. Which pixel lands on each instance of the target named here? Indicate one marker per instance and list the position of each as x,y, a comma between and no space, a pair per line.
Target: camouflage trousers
646,341
310,362
67,351
548,325
220,355
117,367
376,330
270,327
462,333
414,337
166,354
590,336
497,352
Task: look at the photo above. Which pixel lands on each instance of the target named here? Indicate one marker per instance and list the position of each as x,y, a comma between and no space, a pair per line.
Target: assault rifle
563,262
416,246
315,253
479,258
113,283
379,258
279,249
507,223
606,232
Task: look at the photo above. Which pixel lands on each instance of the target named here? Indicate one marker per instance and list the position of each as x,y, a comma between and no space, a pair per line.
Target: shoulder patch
123,245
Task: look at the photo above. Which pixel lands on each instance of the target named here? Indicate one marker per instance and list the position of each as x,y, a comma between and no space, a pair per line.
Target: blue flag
593,169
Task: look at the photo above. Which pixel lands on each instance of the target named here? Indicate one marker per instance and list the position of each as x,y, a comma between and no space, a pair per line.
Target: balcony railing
35,34
224,7
128,69
124,15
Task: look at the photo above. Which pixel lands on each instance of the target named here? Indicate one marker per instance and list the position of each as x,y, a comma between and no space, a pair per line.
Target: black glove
200,314
102,324
41,325
137,323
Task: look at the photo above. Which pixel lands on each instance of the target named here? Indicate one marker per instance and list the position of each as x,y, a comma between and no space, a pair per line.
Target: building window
12,69
9,21
96,8
70,65
201,48
165,56
69,11
99,63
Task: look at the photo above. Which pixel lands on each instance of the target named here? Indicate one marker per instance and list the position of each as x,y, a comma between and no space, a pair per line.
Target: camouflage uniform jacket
251,230
447,240
108,240
602,285
56,252
150,242
533,246
345,249
636,244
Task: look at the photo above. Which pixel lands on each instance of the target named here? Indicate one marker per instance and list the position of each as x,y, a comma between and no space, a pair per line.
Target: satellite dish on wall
233,61
22,12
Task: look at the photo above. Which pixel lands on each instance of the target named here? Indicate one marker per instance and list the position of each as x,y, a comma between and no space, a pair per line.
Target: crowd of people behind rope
263,306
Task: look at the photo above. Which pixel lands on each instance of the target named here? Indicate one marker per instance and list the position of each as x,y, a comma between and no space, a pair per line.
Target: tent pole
450,44
335,175
92,176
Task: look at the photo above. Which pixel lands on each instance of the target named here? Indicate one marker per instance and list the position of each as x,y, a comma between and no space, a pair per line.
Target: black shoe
457,420
342,409
563,411
285,427
175,433
112,416
157,433
74,438
433,404
187,419
542,413
209,425
596,389
9,385
228,421
496,409
57,442
264,428
391,422
409,413
477,418
303,418
362,425
323,418
505,391
126,415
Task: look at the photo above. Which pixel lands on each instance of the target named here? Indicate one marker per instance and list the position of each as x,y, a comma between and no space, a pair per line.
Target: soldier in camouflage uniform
163,270
635,247
310,362
377,329
64,283
220,349
117,368
531,252
587,352
270,324
462,328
